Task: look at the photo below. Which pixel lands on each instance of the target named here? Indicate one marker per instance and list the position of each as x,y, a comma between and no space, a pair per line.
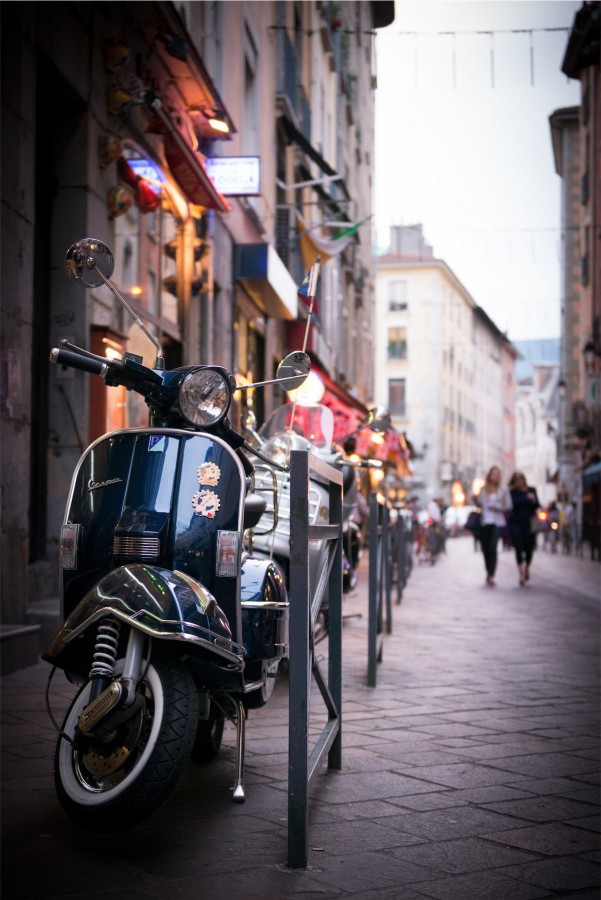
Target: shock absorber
105,655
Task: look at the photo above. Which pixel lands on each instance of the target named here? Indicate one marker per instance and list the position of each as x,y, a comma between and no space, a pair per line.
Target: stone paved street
471,771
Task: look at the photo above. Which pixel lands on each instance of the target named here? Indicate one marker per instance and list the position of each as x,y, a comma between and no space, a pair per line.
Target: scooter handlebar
76,361
363,463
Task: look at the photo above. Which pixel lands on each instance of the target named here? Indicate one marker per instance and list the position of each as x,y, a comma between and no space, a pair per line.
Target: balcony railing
288,87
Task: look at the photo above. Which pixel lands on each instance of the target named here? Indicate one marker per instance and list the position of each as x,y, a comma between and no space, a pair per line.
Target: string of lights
340,30
487,31
482,32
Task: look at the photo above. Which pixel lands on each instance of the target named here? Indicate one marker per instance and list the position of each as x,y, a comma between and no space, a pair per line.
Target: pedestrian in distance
522,523
493,500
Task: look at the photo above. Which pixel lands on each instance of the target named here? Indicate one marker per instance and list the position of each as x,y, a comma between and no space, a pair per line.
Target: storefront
591,509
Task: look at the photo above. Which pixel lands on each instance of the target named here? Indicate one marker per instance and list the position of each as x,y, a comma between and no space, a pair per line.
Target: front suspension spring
105,652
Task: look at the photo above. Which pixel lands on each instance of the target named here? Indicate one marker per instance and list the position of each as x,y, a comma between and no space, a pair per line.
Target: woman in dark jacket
524,503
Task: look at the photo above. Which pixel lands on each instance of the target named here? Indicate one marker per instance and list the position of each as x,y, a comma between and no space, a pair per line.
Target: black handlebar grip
76,361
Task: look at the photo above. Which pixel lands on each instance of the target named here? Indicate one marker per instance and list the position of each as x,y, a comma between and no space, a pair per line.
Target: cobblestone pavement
471,771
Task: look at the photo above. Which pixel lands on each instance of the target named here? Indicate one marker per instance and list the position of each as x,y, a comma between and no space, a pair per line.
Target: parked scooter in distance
170,626
306,426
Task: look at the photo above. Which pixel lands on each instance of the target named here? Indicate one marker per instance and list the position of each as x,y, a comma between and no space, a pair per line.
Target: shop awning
296,136
592,473
186,165
175,65
349,413
266,279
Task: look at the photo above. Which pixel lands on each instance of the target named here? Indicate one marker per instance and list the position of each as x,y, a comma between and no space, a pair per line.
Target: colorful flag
350,231
312,246
307,290
303,291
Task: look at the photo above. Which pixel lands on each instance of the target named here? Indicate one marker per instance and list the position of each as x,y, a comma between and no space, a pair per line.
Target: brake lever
75,349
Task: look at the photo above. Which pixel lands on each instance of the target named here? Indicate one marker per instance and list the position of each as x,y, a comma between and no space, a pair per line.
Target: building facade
576,137
443,368
117,124
536,429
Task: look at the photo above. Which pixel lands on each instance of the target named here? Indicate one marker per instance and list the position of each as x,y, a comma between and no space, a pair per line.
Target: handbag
535,525
473,522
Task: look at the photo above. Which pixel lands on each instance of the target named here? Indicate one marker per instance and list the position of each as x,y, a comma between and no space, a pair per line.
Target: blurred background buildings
218,149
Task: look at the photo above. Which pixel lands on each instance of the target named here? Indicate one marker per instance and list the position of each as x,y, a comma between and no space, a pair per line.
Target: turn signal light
68,546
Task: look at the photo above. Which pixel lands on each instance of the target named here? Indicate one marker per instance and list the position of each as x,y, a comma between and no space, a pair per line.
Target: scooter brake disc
99,761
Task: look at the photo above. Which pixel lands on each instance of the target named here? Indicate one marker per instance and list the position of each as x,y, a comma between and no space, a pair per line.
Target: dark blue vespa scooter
169,625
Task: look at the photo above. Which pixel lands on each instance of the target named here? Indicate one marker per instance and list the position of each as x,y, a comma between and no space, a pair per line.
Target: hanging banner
312,246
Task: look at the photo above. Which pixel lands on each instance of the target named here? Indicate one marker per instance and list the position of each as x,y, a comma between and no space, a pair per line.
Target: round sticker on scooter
208,474
206,503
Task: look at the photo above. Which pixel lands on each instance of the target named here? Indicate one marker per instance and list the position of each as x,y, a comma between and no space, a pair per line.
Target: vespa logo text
95,485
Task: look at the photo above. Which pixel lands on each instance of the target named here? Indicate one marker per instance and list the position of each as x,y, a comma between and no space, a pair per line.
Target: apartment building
443,368
576,137
217,148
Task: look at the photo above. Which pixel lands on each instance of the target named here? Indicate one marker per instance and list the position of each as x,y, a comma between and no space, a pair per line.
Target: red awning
186,165
349,412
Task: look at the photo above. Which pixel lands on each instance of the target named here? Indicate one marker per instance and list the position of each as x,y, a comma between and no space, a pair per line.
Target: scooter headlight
204,397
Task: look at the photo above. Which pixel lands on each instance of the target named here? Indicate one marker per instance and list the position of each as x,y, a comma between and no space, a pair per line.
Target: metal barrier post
387,565
304,609
401,554
374,637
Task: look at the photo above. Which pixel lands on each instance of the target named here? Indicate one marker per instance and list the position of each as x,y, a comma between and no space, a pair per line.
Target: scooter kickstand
239,795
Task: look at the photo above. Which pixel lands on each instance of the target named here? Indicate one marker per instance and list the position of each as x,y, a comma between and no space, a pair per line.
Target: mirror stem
160,362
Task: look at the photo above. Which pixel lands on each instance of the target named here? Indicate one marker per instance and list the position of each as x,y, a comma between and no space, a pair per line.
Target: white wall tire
112,783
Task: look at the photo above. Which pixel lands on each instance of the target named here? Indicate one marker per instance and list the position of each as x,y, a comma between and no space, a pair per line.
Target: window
397,343
397,401
398,295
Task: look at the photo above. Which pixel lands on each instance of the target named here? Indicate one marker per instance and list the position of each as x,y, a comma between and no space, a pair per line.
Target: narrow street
470,771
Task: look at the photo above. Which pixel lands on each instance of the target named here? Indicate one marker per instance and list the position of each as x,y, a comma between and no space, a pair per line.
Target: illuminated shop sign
148,169
235,176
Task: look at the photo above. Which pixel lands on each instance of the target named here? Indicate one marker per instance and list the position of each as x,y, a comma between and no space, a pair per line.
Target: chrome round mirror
87,259
293,370
378,419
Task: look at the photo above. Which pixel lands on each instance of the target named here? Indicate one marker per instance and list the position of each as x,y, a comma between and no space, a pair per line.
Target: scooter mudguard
265,610
165,605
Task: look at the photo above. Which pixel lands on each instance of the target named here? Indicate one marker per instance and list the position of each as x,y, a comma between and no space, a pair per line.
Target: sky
463,147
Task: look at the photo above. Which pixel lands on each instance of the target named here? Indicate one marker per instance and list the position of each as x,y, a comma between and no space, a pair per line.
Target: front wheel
112,777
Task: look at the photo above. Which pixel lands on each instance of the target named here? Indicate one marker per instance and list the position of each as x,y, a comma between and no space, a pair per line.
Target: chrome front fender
166,605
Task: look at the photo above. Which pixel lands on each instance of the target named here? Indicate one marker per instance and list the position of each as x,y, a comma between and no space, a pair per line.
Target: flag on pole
303,290
312,246
350,231
306,294
308,289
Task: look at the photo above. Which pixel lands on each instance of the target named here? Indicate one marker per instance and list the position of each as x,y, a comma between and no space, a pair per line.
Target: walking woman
524,503
493,500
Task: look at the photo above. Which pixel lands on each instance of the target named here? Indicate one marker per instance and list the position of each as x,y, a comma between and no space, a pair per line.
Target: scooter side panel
96,501
265,610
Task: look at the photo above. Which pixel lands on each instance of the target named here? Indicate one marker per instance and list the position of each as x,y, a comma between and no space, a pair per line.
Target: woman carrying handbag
493,500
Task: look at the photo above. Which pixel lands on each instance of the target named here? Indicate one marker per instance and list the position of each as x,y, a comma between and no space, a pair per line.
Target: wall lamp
561,388
217,120
589,352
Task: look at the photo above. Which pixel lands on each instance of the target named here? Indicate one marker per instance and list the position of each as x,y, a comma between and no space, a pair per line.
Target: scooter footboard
265,610
166,605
